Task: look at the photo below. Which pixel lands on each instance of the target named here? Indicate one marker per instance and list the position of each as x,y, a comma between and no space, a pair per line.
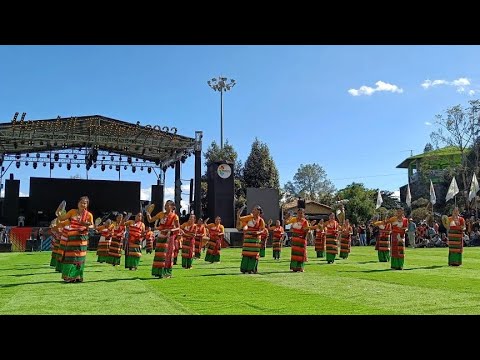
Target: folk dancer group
70,238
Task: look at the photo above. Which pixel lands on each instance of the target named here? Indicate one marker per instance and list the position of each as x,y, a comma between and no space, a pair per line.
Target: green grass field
358,285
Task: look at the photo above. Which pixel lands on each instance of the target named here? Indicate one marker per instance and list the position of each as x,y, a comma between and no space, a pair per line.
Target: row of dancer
71,229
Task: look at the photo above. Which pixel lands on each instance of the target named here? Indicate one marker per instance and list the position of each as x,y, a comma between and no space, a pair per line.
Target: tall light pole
221,84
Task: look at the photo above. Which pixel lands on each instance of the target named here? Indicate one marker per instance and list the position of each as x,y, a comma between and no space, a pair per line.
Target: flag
452,190
408,197
433,197
473,188
379,200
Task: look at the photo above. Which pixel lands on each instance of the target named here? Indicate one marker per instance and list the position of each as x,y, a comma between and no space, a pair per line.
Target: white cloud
145,194
380,86
429,83
428,123
461,84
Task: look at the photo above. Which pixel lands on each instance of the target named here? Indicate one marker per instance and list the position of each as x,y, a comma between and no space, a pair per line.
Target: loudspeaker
11,202
268,199
221,192
236,239
157,198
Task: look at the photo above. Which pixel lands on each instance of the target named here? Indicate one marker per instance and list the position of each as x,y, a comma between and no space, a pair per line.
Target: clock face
224,171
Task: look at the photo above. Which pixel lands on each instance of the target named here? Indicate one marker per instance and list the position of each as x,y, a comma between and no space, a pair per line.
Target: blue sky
355,110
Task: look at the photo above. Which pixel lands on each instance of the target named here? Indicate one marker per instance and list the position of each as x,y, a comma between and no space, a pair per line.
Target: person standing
200,234
263,239
56,229
149,236
136,233
277,237
320,239
383,243
115,248
455,225
362,232
399,227
331,233
412,229
169,225
214,245
252,226
106,232
300,228
76,233
346,239
188,231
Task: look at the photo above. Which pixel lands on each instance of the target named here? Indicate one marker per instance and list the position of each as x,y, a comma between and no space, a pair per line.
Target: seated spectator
466,239
475,239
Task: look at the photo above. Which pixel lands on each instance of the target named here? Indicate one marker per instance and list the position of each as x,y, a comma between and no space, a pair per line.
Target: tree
309,182
228,153
260,170
215,153
389,200
459,128
428,147
361,202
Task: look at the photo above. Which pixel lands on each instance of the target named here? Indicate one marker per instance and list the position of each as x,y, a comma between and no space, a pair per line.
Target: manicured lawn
358,285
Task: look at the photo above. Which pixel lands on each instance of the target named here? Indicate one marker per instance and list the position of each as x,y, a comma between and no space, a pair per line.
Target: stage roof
161,145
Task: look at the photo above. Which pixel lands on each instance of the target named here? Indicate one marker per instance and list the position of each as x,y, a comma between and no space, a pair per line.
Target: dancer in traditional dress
332,229
168,226
200,234
106,232
73,259
346,239
188,231
149,236
252,226
56,230
399,227
300,227
277,238
383,240
320,239
455,225
136,233
263,239
214,245
115,248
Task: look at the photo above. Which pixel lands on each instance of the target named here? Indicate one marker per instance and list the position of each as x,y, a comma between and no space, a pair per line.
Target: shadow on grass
26,267
63,282
427,267
390,269
32,274
368,262
274,272
221,274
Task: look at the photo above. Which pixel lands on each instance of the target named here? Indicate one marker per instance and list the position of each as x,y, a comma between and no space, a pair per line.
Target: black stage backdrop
105,195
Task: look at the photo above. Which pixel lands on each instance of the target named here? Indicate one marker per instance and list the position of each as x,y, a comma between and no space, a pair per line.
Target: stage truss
93,141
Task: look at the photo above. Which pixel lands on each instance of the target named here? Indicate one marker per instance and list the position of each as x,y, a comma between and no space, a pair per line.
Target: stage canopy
93,140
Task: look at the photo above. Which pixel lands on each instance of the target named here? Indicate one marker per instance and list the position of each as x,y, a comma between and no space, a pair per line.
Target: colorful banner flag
379,200
452,190
473,188
433,197
408,197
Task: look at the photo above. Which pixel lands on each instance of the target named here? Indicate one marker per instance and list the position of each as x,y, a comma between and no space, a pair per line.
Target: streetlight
221,84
